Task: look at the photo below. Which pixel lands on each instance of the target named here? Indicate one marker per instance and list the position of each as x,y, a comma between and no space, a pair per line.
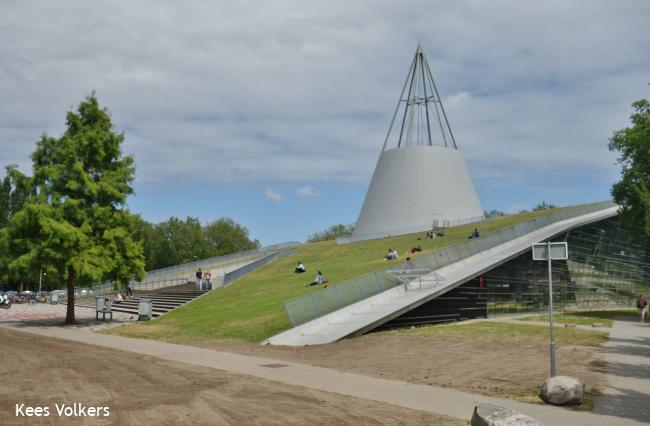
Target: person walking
129,290
199,278
641,303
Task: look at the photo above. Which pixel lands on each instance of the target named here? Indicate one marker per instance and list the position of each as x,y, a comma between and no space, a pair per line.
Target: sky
274,113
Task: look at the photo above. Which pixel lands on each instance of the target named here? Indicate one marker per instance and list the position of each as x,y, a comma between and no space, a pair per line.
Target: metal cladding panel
414,186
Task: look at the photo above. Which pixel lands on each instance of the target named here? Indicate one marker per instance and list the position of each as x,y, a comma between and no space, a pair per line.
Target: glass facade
608,266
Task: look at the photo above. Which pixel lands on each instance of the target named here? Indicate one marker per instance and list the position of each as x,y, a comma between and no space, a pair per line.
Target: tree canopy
632,144
332,233
544,206
177,241
76,222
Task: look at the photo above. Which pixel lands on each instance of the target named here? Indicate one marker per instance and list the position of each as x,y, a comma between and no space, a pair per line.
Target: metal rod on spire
419,103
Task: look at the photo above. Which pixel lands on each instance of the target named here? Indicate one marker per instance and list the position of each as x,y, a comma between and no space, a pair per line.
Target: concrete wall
412,187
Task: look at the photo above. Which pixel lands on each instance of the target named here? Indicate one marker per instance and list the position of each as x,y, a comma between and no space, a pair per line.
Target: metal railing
188,269
155,285
416,279
212,262
240,272
310,306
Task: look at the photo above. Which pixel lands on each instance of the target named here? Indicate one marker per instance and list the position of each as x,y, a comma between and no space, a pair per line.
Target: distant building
420,181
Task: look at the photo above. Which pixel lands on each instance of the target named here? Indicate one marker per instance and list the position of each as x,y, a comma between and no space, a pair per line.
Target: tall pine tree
77,223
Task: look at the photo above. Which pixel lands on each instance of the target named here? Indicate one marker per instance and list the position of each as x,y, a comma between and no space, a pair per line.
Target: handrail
108,286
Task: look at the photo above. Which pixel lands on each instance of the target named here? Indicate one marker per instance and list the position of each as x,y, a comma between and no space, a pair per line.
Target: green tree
332,233
15,188
77,222
224,236
632,145
544,206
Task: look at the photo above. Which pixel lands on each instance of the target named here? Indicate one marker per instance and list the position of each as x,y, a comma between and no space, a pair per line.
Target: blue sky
274,113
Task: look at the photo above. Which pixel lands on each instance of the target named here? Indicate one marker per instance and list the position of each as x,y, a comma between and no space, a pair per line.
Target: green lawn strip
605,318
252,308
501,331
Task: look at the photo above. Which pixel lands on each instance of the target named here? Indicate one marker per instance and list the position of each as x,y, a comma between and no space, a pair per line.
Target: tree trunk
72,277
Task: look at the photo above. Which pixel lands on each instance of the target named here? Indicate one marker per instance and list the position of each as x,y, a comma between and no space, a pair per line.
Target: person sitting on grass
318,280
392,255
300,268
440,234
475,234
416,249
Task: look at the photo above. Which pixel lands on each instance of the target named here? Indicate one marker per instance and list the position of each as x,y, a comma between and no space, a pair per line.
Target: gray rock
563,390
486,414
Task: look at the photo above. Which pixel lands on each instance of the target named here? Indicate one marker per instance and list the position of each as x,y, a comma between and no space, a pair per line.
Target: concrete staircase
163,300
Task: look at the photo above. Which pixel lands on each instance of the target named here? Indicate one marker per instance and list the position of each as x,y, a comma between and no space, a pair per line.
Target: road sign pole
550,308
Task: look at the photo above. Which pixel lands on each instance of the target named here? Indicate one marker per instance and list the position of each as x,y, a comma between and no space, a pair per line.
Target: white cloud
306,191
270,194
266,92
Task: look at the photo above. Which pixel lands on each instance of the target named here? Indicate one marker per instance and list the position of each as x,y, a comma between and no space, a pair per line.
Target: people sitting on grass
392,255
417,249
430,235
475,234
300,268
318,280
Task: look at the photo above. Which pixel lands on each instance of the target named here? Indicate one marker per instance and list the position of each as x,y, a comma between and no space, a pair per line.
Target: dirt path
512,370
140,389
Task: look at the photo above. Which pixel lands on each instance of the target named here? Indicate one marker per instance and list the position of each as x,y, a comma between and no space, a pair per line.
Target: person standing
208,278
641,303
129,290
199,278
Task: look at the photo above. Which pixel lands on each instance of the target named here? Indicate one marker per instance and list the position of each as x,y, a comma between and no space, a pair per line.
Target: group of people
203,280
431,235
300,268
119,297
642,305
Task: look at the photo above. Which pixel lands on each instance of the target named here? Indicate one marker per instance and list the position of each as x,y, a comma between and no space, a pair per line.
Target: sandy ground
512,370
140,389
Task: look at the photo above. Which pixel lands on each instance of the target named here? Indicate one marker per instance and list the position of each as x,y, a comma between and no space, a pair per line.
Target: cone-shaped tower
420,181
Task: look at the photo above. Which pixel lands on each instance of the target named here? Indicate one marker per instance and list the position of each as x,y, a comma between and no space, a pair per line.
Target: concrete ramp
367,314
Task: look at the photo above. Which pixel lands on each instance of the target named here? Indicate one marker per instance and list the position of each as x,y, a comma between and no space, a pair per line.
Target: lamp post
551,251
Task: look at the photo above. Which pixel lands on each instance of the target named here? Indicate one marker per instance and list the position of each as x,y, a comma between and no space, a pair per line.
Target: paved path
420,397
627,358
545,324
25,314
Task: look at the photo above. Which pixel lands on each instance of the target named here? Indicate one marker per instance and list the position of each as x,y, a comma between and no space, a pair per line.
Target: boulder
563,390
486,414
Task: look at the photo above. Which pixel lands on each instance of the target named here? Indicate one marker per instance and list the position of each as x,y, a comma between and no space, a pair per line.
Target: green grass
505,332
252,308
606,318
